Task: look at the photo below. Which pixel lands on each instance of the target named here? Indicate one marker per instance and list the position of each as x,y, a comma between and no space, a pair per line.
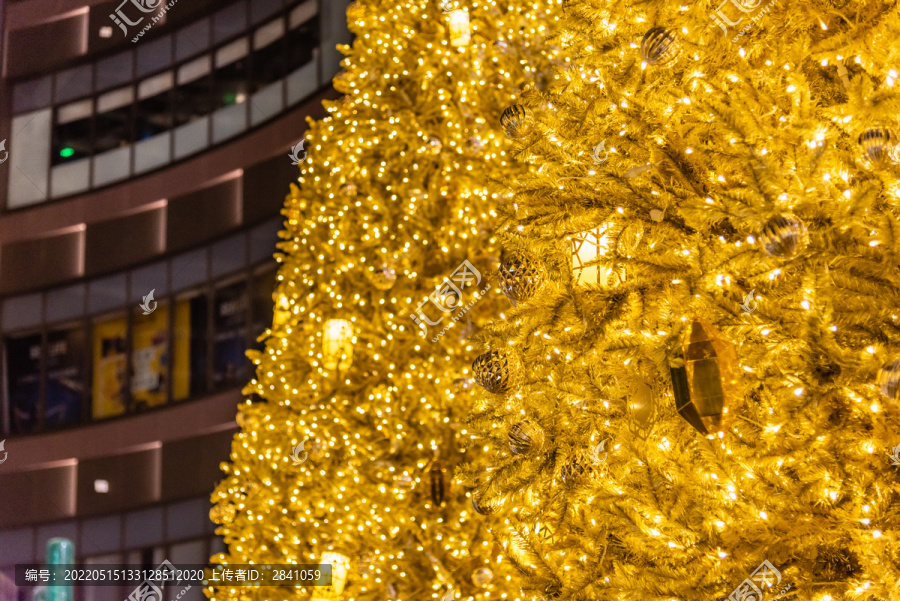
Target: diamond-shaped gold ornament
707,389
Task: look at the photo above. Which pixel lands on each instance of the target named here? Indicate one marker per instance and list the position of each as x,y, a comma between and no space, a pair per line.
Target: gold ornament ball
482,507
878,146
517,121
482,577
571,473
659,46
383,276
889,380
222,513
349,190
434,145
525,437
498,372
784,236
521,276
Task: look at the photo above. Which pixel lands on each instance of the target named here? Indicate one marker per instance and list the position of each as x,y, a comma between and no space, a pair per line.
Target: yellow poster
110,363
181,365
149,359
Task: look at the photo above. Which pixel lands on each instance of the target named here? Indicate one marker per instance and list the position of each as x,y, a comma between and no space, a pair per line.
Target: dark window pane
268,64
154,115
192,100
66,360
23,365
230,366
71,141
301,42
230,84
113,129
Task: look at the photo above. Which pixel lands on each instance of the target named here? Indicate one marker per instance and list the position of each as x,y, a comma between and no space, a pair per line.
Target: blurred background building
139,162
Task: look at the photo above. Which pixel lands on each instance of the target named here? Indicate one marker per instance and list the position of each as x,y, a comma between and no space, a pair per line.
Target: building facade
143,168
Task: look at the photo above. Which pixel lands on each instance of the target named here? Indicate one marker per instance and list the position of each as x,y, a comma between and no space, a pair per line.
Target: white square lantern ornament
587,248
337,344
459,28
340,569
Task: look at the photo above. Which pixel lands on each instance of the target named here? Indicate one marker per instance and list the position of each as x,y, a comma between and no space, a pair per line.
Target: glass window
71,133
66,355
268,64
113,129
230,81
263,303
154,107
190,348
193,100
301,42
230,366
154,115
23,368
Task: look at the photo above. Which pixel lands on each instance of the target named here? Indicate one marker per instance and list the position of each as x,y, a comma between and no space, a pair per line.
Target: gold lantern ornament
337,345
340,568
459,28
707,389
586,248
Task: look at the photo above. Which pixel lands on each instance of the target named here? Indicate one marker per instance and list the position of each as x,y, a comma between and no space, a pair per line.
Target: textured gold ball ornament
483,507
784,236
878,146
571,473
659,46
525,437
889,380
498,372
349,190
517,121
521,276
434,145
482,577
382,276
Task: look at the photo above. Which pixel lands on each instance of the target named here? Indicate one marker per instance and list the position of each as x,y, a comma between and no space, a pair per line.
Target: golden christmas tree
348,457
700,399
